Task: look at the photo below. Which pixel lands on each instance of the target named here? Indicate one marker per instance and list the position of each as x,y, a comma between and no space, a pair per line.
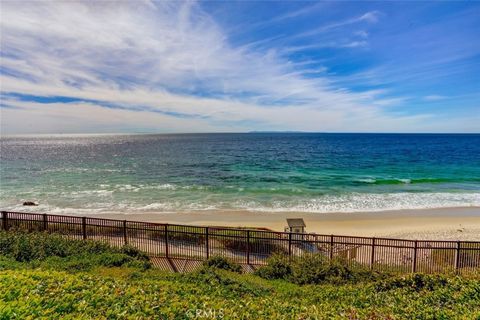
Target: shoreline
422,224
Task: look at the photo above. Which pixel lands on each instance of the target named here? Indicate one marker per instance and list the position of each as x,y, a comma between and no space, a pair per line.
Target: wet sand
445,223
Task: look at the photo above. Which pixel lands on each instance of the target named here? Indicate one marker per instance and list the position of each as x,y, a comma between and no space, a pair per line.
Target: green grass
43,287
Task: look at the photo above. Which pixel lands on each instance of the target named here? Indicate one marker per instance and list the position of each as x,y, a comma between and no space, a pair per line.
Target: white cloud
89,117
162,59
371,16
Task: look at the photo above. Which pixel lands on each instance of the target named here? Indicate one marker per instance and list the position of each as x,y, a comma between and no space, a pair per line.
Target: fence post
125,240
457,257
84,227
45,222
289,244
372,258
5,220
414,262
331,248
248,246
207,244
166,240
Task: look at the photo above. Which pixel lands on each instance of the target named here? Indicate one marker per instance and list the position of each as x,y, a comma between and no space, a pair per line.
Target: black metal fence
252,247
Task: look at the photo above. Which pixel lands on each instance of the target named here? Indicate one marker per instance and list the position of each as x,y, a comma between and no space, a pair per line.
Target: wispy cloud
370,17
306,10
169,67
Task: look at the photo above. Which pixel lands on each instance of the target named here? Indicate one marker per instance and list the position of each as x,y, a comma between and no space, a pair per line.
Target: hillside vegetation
47,276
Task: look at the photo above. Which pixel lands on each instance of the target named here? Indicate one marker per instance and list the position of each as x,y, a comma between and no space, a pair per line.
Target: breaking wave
352,202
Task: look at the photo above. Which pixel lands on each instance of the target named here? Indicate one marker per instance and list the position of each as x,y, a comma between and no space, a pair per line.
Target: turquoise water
257,172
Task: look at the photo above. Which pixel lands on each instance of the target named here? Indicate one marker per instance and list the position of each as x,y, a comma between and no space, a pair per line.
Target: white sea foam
128,187
352,202
384,180
367,180
52,209
359,202
165,186
90,192
84,170
158,206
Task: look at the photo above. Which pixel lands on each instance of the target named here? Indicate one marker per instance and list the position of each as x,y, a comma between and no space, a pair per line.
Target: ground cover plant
43,249
40,286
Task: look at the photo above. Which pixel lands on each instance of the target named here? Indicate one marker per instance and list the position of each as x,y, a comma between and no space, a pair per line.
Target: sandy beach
442,224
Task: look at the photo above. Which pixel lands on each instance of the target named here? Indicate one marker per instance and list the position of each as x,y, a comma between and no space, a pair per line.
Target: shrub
38,245
72,263
416,282
316,268
222,263
60,252
277,267
223,283
8,263
114,259
310,269
134,252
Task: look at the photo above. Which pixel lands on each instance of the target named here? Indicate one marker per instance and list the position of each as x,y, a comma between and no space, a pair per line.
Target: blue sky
83,67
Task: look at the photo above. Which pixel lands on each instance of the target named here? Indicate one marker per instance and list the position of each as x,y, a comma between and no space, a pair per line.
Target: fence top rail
296,235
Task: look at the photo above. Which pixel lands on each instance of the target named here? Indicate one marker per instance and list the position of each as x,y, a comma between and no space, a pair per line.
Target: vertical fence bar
331,248
45,222
207,244
289,244
372,258
125,238
457,257
414,261
84,227
248,246
166,240
5,220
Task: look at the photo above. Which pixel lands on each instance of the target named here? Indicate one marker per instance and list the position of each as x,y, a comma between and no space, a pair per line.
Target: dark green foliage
415,282
225,281
71,263
134,252
315,269
57,251
8,263
37,246
114,259
277,267
222,263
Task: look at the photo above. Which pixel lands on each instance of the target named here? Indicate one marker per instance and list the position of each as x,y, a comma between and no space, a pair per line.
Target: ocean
262,172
